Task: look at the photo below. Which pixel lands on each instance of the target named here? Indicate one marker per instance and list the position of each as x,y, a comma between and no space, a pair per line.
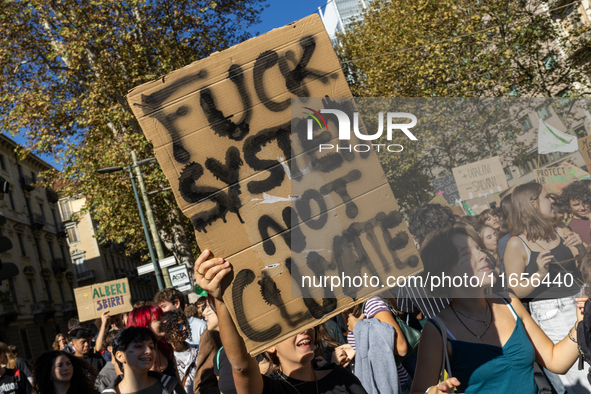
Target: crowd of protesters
502,336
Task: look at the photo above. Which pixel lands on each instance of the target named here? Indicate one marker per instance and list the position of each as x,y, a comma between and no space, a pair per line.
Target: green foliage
66,66
462,48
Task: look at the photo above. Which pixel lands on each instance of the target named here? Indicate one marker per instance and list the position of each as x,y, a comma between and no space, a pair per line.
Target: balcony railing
85,275
61,231
52,196
37,221
27,183
68,306
38,308
119,273
58,265
7,308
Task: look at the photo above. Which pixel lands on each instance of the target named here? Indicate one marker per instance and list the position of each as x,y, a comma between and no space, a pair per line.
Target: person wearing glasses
177,331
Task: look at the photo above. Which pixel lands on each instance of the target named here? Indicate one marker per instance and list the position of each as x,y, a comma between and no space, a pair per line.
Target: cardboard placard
221,129
93,300
447,187
439,199
481,178
554,179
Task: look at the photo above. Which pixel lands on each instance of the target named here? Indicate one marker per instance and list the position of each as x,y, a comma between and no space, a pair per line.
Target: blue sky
279,13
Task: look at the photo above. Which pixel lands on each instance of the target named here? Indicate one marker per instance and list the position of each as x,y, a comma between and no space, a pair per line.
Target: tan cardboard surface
554,179
480,178
439,199
585,149
221,129
93,300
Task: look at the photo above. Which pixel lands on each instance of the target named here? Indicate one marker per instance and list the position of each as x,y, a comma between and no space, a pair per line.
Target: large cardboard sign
221,129
481,178
447,187
557,178
93,300
585,149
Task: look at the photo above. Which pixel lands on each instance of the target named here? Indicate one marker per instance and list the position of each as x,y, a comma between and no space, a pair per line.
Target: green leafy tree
464,48
66,66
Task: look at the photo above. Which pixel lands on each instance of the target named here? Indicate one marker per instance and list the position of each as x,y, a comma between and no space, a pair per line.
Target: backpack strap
217,358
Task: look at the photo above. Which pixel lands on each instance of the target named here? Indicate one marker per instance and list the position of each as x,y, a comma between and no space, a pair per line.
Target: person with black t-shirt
12,381
81,338
293,356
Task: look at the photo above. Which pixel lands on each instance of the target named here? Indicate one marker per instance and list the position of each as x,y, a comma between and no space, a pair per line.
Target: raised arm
98,346
245,369
429,362
557,358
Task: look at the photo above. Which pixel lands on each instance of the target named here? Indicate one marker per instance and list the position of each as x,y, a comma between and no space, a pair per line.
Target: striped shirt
372,307
413,298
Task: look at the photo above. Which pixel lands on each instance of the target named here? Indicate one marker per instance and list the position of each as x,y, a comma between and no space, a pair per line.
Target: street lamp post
150,215
157,270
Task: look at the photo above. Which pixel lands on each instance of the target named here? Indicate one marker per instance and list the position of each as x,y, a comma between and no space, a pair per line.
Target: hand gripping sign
222,131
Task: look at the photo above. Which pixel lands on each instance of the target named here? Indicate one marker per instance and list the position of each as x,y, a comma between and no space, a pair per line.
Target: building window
107,260
66,210
25,342
2,163
21,244
48,290
79,265
32,289
62,253
39,250
44,338
11,199
71,286
544,112
13,291
59,287
73,235
508,173
33,177
42,212
51,251
525,123
580,131
54,217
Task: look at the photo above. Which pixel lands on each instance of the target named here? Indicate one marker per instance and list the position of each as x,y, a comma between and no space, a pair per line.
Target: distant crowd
517,332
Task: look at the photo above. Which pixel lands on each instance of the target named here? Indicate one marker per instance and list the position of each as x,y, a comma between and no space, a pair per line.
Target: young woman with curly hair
59,372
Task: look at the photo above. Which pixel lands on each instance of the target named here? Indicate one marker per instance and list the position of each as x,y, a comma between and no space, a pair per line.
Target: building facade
36,304
338,14
96,262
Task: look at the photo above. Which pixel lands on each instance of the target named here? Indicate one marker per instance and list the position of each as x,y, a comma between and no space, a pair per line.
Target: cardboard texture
448,188
93,300
222,133
555,179
439,199
585,149
480,178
